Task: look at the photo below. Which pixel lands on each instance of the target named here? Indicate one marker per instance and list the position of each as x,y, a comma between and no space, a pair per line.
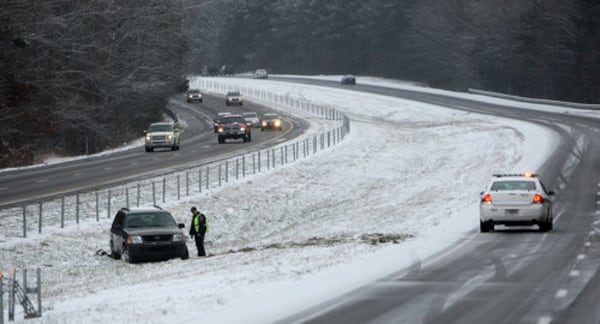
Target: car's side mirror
550,193
481,193
145,132
181,225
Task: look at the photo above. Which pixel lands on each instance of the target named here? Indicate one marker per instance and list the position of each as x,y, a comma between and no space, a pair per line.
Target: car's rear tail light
487,199
537,199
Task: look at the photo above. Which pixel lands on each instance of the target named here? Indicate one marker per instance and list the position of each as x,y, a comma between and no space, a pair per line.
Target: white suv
515,200
164,134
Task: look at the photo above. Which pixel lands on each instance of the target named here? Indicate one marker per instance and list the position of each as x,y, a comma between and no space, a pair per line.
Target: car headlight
170,137
220,130
242,129
277,123
264,123
178,238
134,239
148,138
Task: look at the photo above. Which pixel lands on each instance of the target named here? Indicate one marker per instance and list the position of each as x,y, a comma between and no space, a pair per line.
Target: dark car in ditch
146,234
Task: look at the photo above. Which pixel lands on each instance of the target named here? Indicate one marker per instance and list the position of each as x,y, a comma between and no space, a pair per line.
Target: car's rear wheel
249,137
485,227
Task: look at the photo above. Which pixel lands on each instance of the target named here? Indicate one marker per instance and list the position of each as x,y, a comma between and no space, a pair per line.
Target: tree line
82,76
536,48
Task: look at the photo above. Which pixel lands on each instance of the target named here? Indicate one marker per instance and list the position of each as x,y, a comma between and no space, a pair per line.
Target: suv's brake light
487,199
537,199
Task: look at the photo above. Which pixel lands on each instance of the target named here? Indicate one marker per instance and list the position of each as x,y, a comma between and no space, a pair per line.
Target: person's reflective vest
197,222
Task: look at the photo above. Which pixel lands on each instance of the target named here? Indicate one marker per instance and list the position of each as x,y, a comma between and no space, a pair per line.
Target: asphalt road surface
511,275
198,146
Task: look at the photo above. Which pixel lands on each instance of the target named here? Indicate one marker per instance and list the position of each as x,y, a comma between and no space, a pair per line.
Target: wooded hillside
81,76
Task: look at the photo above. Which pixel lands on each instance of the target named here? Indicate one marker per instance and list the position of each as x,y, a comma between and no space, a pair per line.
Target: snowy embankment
408,173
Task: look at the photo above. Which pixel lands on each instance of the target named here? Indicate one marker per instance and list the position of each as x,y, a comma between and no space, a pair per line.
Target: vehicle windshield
233,119
233,94
160,128
513,185
250,115
149,220
270,117
194,91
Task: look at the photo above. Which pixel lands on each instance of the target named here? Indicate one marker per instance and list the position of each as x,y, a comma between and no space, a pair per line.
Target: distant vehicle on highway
261,74
348,79
193,95
270,121
515,200
251,118
234,127
162,134
233,98
146,234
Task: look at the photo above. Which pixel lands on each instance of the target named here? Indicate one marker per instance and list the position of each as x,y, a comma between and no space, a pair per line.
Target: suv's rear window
513,185
233,119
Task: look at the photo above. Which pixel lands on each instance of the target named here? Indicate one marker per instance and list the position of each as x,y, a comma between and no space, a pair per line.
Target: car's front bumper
157,251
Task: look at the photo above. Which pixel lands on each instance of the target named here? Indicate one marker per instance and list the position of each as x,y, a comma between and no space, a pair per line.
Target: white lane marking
588,244
544,320
3,188
134,163
574,273
77,174
581,257
561,293
42,181
108,168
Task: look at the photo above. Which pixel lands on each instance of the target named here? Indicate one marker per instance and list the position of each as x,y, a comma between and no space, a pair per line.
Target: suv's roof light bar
527,174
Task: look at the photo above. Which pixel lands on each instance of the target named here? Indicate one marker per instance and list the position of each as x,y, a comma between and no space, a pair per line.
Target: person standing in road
198,230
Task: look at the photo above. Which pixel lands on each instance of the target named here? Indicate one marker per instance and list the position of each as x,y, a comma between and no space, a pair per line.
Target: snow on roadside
301,232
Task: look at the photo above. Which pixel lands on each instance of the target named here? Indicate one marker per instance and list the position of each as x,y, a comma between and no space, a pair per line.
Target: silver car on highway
515,200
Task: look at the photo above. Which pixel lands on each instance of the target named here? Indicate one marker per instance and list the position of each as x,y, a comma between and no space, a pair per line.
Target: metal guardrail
100,203
536,100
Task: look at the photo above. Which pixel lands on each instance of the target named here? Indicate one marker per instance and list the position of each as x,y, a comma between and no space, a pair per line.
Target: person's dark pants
200,245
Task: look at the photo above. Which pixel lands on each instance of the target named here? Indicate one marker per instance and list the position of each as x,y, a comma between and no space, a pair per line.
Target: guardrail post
178,192
153,194
126,197
268,160
207,176
226,171
243,166
138,195
77,208
24,221
258,154
164,190
199,180
273,155
283,156
219,174
62,212
108,205
237,168
187,183
39,221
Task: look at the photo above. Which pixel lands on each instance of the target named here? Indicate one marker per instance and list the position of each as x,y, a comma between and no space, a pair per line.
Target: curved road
512,275
198,146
